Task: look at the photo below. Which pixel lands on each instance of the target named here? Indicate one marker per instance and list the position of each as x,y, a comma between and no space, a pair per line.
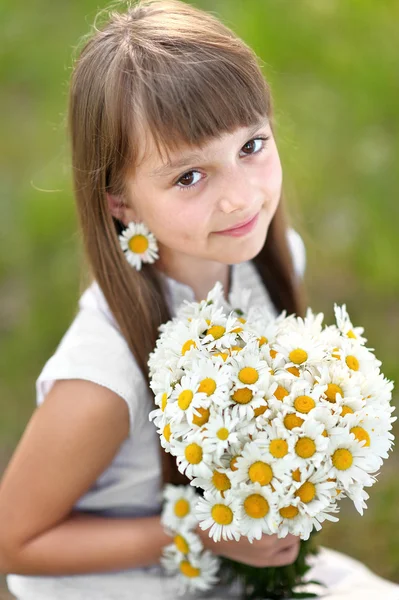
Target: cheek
181,221
274,175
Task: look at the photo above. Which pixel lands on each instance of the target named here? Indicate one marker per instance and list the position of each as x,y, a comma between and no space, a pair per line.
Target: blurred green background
333,66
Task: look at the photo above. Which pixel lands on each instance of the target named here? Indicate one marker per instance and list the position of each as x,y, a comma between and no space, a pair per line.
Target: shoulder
94,349
298,251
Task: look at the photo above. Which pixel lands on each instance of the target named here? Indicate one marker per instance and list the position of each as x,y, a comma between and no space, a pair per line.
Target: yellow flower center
298,356
222,433
280,393
278,448
164,401
235,349
208,386
188,570
184,399
167,432
224,355
242,320
204,418
294,371
351,334
193,453
248,375
216,331
222,514
181,544
186,346
261,472
256,506
236,330
273,353
352,363
332,390
182,508
289,512
304,404
291,420
305,447
233,463
306,492
262,340
296,475
361,434
260,410
346,410
138,244
342,459
221,481
242,396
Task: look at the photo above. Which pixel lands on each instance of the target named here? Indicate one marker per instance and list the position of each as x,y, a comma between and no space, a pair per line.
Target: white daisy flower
178,511
218,483
221,433
185,399
347,406
138,244
185,542
219,514
222,333
299,350
311,445
371,429
335,377
275,440
376,388
317,491
248,369
323,415
214,379
255,465
193,572
351,463
192,457
345,326
303,397
257,511
356,358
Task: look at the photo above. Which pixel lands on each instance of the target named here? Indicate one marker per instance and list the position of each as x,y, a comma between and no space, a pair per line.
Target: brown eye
249,146
254,146
187,178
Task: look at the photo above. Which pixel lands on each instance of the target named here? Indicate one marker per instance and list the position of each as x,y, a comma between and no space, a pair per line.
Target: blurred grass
333,70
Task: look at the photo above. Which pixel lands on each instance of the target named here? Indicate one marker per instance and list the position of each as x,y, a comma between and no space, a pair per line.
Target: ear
119,209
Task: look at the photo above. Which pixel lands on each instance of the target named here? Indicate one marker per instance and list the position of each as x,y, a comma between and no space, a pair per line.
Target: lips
239,224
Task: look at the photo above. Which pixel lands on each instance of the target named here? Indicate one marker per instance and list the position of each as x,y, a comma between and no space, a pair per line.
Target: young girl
178,185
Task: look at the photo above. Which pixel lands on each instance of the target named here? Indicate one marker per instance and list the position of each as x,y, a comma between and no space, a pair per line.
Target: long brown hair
178,71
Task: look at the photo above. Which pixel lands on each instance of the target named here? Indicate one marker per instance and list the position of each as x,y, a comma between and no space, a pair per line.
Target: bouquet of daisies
272,420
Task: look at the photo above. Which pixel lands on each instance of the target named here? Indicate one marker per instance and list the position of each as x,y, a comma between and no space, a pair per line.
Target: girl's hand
269,551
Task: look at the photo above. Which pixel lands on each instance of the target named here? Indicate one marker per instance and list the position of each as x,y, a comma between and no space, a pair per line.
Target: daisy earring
138,244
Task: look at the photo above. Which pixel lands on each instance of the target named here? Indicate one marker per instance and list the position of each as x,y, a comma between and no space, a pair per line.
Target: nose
236,192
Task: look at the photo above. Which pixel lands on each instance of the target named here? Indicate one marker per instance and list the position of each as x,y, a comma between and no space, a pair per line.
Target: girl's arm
84,543
69,441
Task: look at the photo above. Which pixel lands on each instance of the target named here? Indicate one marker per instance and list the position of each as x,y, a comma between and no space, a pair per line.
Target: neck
198,273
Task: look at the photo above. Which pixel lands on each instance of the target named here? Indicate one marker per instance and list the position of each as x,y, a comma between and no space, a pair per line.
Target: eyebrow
193,157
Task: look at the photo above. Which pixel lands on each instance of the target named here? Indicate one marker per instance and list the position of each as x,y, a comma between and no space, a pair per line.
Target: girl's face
205,190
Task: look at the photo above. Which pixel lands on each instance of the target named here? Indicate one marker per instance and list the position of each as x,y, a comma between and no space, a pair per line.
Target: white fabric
94,349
